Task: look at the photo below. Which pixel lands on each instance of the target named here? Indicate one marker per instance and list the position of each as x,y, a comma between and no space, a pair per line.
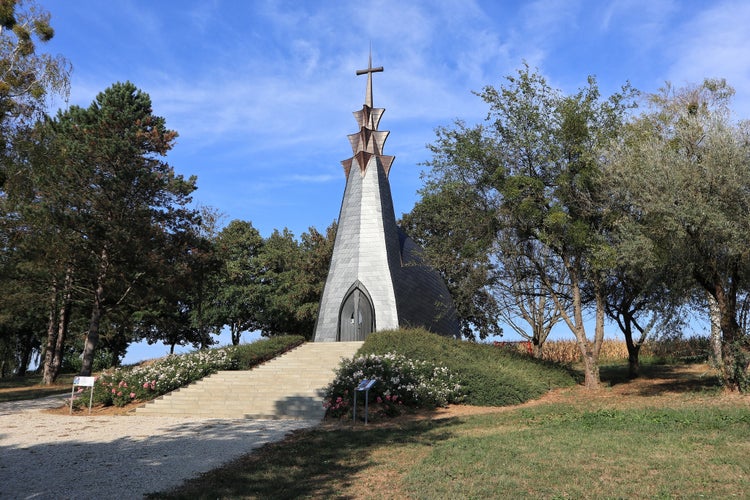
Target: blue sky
261,92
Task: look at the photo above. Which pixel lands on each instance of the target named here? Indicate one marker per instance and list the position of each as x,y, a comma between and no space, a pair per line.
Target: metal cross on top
369,71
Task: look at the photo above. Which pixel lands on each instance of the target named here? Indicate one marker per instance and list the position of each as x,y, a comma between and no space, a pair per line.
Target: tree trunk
589,351
92,337
49,351
734,353
236,334
536,348
62,333
24,356
591,378
27,344
715,319
634,364
57,328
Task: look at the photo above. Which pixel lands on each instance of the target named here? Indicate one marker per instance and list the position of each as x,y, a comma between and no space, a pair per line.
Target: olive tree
684,168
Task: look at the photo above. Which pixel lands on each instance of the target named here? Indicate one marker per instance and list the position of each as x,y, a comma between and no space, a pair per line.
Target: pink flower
132,395
145,385
119,393
379,399
114,391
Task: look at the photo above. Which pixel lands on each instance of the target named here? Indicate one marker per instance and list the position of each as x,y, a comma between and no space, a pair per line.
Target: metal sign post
364,386
82,382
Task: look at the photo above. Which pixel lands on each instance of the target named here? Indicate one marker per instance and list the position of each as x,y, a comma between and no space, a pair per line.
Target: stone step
289,386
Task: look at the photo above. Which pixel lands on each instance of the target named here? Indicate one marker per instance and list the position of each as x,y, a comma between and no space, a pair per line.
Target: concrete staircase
289,386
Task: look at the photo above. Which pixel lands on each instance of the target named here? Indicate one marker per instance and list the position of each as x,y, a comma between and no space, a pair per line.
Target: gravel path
53,456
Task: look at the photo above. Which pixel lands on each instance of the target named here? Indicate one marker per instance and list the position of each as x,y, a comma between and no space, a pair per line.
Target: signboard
82,382
365,385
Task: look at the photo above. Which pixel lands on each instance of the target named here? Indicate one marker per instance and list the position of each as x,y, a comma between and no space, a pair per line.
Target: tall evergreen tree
120,196
28,78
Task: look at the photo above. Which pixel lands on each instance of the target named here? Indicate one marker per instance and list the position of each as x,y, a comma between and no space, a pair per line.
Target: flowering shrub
121,386
400,382
124,385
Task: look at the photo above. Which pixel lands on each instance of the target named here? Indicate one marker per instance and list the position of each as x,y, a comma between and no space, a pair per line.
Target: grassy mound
490,376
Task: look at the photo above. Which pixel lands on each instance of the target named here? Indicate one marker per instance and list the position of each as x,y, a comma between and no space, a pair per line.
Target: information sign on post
82,382
364,386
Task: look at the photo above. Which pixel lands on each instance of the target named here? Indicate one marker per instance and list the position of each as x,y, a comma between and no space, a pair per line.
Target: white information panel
82,382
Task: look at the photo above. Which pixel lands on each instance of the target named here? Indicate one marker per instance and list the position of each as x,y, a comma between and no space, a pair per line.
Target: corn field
567,351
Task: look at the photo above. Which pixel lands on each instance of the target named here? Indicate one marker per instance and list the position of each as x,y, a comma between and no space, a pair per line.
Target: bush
249,355
147,381
489,376
400,382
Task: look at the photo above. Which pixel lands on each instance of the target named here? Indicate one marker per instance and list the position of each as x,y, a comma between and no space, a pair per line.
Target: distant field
567,351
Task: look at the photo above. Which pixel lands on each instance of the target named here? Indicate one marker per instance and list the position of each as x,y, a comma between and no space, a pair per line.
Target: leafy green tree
556,199
522,295
685,167
316,251
456,228
233,302
174,302
535,167
278,264
643,295
290,280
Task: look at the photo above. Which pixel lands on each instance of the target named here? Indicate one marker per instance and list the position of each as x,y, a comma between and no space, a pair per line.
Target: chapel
377,279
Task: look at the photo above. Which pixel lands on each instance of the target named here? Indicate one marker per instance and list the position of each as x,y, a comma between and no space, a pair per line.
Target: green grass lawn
30,387
670,434
694,444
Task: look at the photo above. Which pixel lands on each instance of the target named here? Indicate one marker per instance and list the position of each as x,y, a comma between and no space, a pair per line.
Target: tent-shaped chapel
377,279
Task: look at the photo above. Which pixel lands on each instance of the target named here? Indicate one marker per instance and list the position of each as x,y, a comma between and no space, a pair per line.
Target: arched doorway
357,317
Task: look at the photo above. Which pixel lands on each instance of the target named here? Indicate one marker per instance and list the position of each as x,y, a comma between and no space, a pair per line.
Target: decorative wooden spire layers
369,141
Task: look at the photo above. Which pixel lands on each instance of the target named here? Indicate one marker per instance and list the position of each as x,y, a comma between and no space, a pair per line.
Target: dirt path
45,455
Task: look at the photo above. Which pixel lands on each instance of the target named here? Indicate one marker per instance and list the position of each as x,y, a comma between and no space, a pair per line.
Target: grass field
671,434
29,387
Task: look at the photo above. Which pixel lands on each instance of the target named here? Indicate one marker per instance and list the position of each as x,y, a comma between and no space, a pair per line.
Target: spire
369,141
369,71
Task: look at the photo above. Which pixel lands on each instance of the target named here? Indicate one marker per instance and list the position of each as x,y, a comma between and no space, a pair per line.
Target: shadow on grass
662,378
313,463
